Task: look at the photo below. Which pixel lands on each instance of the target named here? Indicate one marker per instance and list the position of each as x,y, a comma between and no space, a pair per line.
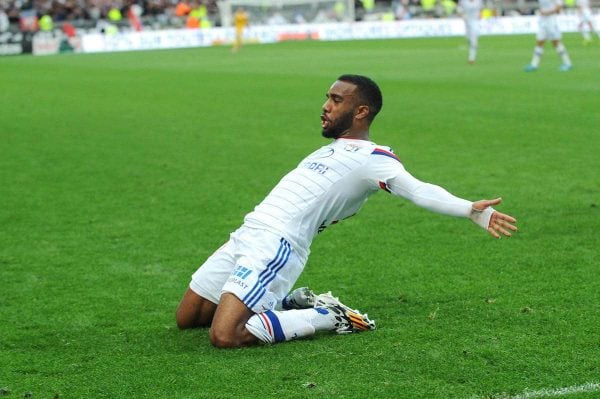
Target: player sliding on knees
242,290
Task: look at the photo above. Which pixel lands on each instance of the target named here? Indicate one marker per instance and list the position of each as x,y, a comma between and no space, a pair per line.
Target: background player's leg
561,50
538,52
472,47
585,29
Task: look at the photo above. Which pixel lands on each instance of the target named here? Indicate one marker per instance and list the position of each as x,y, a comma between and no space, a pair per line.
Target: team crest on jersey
351,148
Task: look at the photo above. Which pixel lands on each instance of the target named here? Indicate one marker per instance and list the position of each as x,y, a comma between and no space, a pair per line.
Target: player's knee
186,317
194,311
220,338
183,320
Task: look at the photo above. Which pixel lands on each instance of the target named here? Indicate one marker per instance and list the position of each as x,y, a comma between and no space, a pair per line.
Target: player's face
338,111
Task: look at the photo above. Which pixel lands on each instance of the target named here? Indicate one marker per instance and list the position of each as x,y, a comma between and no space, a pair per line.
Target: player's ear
362,111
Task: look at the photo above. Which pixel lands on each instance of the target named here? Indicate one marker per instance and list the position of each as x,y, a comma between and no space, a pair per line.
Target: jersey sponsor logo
316,167
381,151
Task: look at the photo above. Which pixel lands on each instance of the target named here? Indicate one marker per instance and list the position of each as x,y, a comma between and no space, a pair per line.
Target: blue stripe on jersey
267,275
381,151
277,330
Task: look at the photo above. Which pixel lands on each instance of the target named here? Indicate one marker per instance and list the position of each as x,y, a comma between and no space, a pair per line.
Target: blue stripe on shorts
268,275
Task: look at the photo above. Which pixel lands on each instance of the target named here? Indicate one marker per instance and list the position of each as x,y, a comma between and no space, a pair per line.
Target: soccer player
240,290
240,21
470,11
548,30
585,21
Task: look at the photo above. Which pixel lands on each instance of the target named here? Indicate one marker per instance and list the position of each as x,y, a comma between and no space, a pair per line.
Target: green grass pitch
120,173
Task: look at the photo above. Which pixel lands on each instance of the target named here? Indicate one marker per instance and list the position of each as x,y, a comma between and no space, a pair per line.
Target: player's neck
356,135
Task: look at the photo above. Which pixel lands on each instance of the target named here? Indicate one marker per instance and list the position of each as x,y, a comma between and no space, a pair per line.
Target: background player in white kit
240,291
585,21
470,11
548,30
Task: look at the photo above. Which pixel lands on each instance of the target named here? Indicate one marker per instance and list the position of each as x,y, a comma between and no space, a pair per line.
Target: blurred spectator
46,23
197,16
324,16
133,15
340,10
183,8
158,14
401,9
428,7
28,21
449,7
4,22
368,5
114,15
276,18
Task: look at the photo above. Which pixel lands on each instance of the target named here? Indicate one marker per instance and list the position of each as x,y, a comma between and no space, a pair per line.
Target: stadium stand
99,15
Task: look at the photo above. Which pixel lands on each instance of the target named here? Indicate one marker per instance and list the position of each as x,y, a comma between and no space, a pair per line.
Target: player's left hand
500,223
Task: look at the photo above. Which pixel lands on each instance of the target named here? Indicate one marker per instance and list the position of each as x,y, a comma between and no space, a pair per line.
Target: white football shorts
472,30
548,28
257,266
585,15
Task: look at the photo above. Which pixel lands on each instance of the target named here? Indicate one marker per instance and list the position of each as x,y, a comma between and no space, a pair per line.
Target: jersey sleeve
393,177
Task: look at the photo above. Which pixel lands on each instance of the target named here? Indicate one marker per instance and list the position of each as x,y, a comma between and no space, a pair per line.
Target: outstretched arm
437,199
497,223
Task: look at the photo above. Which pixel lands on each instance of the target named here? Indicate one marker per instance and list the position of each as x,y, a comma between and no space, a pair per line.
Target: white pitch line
547,392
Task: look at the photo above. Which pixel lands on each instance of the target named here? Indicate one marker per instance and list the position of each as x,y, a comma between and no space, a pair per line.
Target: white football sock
472,53
472,48
537,56
562,52
277,326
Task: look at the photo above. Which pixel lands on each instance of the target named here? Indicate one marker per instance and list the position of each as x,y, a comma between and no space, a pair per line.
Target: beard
337,128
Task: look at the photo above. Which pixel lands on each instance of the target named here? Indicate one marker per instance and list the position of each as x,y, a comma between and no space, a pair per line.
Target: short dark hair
368,91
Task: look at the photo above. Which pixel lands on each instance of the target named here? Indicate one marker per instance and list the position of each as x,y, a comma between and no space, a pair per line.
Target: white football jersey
333,183
583,3
549,5
470,8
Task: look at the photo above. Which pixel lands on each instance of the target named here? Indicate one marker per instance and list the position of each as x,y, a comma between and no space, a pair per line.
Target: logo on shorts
241,272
